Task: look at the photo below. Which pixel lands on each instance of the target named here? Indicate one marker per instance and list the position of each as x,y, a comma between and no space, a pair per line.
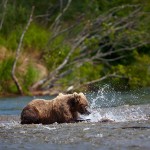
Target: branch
118,8
18,52
100,56
104,77
3,15
124,49
61,5
82,38
41,16
119,25
56,22
53,75
59,33
70,53
101,29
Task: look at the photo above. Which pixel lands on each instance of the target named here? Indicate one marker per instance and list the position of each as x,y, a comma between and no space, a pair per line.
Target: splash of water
106,96
117,114
99,96
102,108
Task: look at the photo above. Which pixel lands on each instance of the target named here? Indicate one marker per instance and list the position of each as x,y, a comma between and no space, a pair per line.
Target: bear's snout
87,112
84,110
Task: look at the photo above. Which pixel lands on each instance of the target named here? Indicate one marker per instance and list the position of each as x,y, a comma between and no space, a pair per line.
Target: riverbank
70,45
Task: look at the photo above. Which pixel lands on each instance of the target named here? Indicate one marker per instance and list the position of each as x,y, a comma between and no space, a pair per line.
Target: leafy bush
138,73
30,77
6,84
16,16
82,74
12,40
56,52
36,37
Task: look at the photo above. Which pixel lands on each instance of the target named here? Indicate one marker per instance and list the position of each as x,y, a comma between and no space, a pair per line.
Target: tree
108,38
18,53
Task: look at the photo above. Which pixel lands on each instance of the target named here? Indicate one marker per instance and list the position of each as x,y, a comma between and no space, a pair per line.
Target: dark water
128,128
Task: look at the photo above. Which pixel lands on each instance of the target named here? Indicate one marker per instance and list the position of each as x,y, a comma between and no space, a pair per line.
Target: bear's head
80,103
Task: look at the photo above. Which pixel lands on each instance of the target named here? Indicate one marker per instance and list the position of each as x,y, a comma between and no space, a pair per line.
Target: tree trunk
15,79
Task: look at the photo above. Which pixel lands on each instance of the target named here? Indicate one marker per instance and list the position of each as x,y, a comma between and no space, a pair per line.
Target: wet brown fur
63,108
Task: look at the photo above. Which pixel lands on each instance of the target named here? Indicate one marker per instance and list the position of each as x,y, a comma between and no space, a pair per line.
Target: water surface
127,126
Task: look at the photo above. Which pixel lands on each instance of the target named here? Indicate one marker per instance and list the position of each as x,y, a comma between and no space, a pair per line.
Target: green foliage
6,84
12,40
56,52
92,43
30,77
5,68
136,71
86,7
36,37
2,41
16,16
89,71
81,74
135,65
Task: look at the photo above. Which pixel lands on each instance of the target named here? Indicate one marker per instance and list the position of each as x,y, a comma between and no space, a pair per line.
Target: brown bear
63,108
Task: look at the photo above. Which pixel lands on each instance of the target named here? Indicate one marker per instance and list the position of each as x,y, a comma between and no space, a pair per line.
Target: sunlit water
110,99
119,120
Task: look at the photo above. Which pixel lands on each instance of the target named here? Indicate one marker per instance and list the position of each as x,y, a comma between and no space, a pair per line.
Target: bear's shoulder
39,102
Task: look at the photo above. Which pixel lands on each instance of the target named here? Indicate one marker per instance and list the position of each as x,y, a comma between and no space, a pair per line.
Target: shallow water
129,133
118,121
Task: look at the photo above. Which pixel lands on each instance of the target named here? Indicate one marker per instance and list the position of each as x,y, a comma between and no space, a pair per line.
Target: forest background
53,46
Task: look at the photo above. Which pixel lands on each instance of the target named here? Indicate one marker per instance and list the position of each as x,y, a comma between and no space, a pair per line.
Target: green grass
6,83
30,77
36,37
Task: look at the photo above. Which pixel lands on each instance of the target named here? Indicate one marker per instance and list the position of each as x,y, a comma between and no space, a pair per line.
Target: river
128,127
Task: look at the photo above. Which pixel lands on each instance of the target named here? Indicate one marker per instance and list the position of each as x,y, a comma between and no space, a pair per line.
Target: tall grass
6,83
36,37
30,77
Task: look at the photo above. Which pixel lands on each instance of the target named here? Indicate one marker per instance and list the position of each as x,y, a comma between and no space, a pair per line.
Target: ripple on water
63,136
93,134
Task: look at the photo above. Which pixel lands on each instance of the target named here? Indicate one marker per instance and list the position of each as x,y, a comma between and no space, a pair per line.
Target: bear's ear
60,94
76,96
81,94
